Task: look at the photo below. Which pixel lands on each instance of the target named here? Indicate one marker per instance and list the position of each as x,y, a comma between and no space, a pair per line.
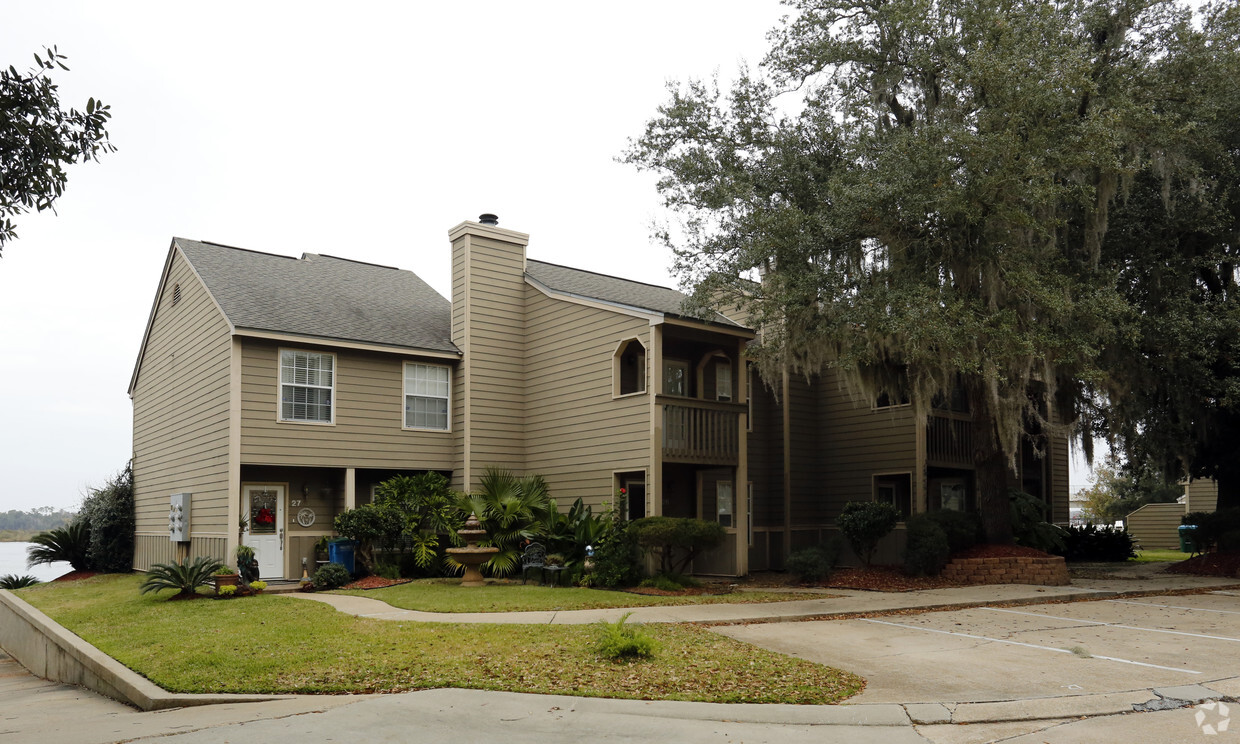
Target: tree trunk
990,470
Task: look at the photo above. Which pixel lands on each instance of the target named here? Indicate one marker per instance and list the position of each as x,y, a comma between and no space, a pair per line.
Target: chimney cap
488,219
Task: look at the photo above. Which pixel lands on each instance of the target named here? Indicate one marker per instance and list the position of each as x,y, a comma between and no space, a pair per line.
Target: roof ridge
354,260
606,276
235,248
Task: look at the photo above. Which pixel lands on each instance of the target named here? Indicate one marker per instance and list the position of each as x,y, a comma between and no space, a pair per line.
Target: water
13,561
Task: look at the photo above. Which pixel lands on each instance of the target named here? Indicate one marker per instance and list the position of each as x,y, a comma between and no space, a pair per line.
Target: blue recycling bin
342,551
1187,542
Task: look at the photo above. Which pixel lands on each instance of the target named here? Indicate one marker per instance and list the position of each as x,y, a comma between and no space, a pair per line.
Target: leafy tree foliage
40,518
417,512
1118,489
924,189
677,540
1174,370
38,138
109,512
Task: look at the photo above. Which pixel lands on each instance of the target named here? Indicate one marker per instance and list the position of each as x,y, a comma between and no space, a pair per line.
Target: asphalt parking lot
1005,653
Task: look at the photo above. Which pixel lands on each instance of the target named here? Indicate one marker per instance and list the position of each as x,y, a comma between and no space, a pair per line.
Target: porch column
350,488
654,388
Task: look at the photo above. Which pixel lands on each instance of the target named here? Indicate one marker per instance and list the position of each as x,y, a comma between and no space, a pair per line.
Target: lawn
1160,556
269,644
446,595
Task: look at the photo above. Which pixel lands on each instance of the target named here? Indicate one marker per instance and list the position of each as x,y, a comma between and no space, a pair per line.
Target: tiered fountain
471,556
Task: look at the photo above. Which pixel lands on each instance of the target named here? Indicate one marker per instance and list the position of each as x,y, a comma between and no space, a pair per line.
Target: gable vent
176,293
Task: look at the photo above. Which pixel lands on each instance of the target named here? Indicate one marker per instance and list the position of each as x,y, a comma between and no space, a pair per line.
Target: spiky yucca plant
70,544
13,581
185,576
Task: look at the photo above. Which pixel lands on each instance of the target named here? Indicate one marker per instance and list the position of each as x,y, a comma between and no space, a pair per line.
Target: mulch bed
374,582
1001,551
1210,564
883,579
76,575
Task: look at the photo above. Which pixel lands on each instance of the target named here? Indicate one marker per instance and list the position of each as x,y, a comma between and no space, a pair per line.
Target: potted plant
225,576
247,564
320,549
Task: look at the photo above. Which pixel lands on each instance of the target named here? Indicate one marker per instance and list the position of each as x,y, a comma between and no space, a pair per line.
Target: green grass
268,644
446,595
1160,556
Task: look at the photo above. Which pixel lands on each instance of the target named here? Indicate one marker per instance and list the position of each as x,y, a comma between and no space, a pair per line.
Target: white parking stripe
1027,645
1115,625
1172,607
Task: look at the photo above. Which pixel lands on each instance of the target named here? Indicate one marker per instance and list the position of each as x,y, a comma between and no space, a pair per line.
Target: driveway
995,653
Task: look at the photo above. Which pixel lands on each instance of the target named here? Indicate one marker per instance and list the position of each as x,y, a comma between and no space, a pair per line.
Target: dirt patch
374,582
1001,551
1210,564
76,575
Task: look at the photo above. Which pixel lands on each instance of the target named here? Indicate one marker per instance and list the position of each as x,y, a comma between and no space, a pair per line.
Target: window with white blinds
426,396
307,386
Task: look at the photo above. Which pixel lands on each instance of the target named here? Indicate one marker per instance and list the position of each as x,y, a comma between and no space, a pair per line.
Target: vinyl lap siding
180,403
494,337
576,434
369,407
858,441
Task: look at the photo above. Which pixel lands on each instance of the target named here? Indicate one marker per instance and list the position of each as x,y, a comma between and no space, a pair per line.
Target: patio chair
534,556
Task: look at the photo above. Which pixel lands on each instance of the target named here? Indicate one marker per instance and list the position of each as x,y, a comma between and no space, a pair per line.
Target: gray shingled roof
613,289
323,296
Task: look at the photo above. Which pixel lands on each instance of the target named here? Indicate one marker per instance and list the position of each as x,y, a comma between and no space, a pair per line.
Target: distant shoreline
17,535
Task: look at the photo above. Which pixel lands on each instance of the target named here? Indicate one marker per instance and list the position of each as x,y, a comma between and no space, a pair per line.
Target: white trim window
307,386
427,393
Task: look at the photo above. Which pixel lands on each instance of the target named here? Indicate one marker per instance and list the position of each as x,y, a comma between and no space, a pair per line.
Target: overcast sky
302,127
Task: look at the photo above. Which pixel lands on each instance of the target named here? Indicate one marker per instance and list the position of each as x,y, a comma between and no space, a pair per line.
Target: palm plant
511,509
185,576
13,581
70,544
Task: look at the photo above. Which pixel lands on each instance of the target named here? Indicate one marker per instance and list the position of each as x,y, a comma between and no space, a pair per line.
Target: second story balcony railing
949,441
701,431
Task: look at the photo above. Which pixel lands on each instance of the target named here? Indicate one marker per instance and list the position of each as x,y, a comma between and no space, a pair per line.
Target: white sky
293,127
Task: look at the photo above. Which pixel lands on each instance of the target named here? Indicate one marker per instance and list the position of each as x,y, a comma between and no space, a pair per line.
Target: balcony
701,431
949,441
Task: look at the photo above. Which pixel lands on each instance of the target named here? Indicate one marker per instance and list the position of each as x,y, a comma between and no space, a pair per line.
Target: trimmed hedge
1092,543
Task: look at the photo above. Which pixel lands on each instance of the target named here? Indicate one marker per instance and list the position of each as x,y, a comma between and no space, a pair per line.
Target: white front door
263,505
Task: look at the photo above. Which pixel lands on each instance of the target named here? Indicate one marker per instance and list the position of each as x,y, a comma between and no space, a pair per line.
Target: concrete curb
48,650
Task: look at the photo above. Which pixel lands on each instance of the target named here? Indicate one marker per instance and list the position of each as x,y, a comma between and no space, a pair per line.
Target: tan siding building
277,392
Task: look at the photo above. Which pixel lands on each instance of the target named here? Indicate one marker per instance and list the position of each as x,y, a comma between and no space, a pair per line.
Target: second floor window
307,384
426,396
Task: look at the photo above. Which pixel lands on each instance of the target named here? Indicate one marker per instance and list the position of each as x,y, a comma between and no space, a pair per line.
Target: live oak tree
916,193
1175,366
39,138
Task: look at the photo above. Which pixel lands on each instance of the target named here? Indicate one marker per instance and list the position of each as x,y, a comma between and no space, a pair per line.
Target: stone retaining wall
1048,571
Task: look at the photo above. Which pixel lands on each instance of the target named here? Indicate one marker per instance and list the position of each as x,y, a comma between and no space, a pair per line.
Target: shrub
247,564
1212,527
13,581
864,523
258,586
185,576
1093,543
110,513
620,641
331,576
677,540
963,529
617,556
70,544
223,571
927,548
227,590
669,582
1029,525
815,564
510,508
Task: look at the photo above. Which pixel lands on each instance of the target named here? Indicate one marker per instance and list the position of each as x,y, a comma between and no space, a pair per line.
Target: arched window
629,368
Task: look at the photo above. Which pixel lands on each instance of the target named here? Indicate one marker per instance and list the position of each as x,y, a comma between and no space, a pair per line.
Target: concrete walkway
817,604
434,715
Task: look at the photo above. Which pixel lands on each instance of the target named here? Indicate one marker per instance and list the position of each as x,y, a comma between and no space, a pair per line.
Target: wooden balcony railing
701,431
949,441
